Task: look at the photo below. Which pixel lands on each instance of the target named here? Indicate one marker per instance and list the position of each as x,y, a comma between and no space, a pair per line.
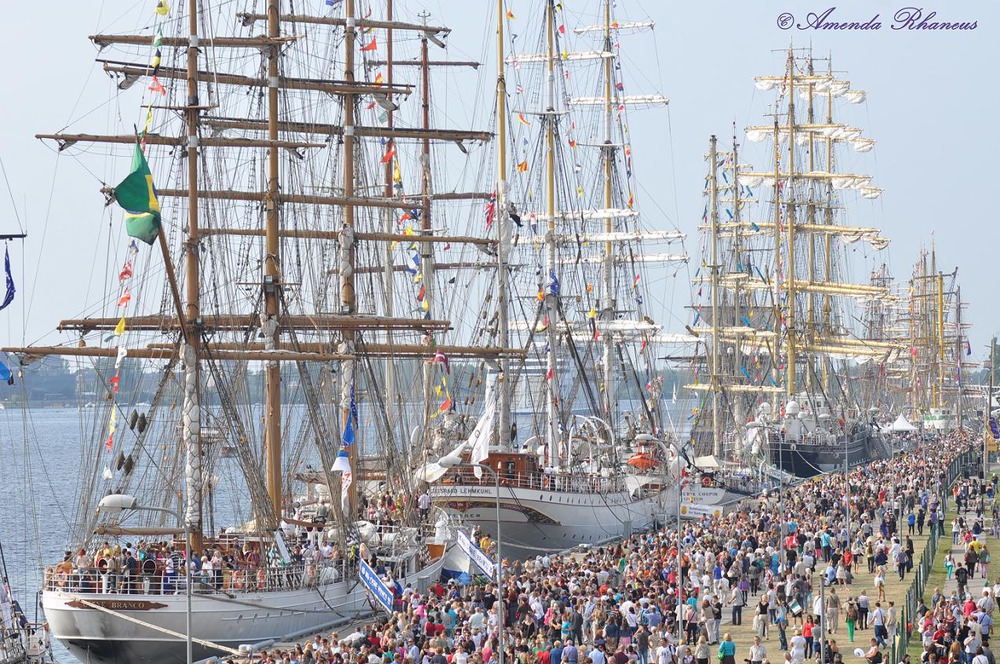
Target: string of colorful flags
412,261
137,196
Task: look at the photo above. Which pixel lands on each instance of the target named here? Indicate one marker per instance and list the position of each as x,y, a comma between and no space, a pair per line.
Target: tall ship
22,641
932,327
572,433
775,309
271,318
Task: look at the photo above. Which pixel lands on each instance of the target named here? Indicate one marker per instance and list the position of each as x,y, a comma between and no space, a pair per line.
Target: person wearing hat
797,647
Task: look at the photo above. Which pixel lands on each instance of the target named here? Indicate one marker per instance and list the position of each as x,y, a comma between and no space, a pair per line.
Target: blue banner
476,554
377,587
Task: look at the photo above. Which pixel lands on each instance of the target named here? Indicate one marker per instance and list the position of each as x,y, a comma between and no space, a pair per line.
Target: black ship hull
805,459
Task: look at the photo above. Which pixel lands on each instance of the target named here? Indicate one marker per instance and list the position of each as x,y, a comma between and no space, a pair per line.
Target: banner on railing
377,587
476,554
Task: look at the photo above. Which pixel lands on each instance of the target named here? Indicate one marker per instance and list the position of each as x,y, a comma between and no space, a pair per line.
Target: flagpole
989,410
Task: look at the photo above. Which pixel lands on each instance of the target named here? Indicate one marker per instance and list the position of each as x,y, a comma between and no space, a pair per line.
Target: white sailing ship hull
229,619
534,522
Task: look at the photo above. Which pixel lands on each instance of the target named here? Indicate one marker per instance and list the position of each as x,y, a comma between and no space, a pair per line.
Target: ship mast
348,301
609,310
551,297
504,439
790,290
827,323
388,227
208,334
426,256
192,343
713,197
272,275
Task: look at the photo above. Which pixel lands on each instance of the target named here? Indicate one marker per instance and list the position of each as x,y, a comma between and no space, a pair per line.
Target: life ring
261,579
706,481
149,567
102,565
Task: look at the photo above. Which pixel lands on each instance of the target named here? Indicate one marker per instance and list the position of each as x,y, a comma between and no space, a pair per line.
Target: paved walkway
895,591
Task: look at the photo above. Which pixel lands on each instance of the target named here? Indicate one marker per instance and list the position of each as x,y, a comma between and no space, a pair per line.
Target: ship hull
807,460
534,522
228,619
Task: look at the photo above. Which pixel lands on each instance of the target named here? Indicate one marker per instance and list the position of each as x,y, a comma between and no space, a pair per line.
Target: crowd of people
226,563
661,597
956,626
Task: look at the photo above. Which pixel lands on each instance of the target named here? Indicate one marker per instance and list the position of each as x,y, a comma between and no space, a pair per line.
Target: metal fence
906,620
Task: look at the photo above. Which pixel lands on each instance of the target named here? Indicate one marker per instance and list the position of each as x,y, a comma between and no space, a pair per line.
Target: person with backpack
851,618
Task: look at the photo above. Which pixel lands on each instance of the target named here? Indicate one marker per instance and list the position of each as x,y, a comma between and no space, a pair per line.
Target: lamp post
453,461
122,501
680,488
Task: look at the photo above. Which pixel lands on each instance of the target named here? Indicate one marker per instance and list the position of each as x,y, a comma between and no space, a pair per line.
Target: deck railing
292,576
564,483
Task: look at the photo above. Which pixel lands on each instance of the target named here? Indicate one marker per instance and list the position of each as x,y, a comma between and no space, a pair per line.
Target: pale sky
931,106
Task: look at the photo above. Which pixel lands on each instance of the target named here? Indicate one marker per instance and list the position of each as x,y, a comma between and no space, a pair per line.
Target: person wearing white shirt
758,651
665,652
797,647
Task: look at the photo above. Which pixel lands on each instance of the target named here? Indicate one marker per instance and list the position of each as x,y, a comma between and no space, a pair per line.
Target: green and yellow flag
137,196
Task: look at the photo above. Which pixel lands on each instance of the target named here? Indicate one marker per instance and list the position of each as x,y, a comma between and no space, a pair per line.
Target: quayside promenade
753,583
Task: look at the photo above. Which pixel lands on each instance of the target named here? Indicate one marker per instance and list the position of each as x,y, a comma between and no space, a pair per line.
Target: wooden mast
713,193
827,306
348,296
810,318
551,299
500,217
790,290
426,257
776,303
192,305
608,311
272,276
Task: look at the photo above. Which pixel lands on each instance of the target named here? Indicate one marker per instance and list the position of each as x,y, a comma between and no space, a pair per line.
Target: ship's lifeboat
643,461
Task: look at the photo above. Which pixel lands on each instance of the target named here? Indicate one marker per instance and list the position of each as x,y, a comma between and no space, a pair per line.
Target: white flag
479,439
122,352
345,485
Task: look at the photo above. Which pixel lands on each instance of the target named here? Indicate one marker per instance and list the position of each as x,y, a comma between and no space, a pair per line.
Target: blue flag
994,429
352,419
553,283
9,297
